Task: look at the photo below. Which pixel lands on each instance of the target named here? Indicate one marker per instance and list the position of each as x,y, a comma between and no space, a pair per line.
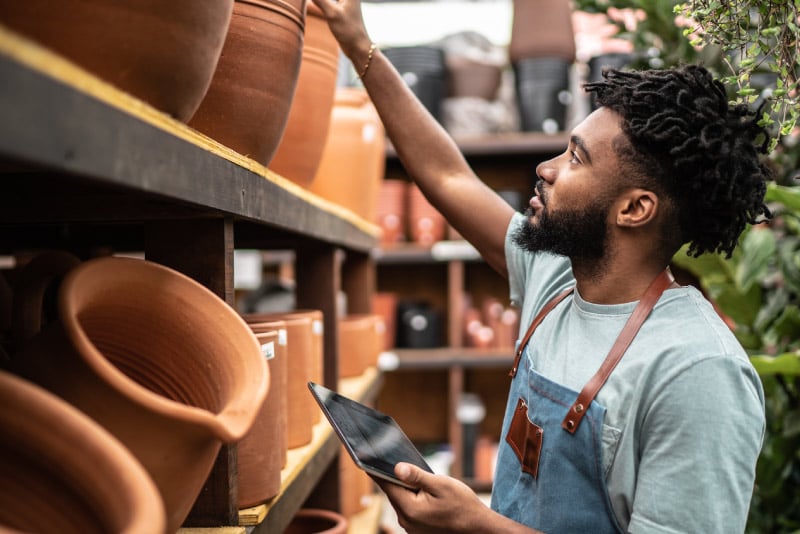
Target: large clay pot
360,339
542,28
353,161
162,52
314,521
157,359
300,150
248,103
62,472
262,452
300,350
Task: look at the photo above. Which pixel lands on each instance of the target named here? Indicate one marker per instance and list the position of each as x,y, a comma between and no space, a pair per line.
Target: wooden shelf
106,157
505,144
445,358
411,253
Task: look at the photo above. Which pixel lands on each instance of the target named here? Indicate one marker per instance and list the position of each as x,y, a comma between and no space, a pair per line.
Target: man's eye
574,158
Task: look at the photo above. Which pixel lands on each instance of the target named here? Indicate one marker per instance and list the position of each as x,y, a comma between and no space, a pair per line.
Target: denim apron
549,473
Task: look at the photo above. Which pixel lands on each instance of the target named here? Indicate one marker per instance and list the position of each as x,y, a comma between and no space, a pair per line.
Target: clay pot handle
35,278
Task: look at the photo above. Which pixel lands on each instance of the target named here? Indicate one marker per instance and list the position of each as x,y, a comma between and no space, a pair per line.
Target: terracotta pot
353,160
359,343
313,521
300,149
262,452
157,359
426,225
542,28
300,350
248,103
392,213
355,485
384,303
162,52
62,472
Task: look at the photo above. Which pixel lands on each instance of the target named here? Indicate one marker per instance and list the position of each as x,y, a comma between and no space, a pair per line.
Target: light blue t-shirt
685,408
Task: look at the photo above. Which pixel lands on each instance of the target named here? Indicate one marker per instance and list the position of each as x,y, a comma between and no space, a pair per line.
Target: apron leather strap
629,331
538,319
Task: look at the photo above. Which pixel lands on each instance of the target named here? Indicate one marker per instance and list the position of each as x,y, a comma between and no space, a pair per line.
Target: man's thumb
410,474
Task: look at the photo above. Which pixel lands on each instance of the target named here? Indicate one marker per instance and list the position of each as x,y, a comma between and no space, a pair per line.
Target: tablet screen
372,438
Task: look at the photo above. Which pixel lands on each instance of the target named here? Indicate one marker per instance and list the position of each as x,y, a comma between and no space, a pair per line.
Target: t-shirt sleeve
701,440
515,262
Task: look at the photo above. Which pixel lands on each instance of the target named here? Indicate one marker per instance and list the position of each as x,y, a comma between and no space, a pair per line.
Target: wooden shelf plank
506,144
101,139
368,520
444,358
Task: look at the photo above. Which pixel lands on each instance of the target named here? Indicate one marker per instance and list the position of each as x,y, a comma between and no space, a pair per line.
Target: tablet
373,439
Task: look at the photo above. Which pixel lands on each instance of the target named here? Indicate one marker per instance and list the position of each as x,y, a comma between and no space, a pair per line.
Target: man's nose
546,171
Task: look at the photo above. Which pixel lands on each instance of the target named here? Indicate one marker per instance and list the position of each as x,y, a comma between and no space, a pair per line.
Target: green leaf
788,196
758,248
787,364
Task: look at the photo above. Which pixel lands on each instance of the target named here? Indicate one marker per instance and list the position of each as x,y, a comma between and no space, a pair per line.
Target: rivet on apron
578,408
570,424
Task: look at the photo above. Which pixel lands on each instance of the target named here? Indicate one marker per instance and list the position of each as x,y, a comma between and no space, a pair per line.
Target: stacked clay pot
355,485
164,53
300,150
353,160
317,521
391,214
62,472
248,103
360,340
302,352
157,359
262,453
426,225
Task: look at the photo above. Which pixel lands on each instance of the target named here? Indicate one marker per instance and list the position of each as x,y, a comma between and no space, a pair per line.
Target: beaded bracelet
372,48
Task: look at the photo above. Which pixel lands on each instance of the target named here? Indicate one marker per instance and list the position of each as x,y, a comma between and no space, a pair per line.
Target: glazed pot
314,521
62,472
157,359
353,160
262,452
161,52
300,350
247,105
300,150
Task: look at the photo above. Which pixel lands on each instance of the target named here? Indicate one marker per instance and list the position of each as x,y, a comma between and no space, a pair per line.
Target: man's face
569,213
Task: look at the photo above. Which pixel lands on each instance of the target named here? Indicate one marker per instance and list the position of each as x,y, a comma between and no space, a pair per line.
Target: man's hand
347,25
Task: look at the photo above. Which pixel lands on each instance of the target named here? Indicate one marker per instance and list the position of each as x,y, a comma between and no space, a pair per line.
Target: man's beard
577,234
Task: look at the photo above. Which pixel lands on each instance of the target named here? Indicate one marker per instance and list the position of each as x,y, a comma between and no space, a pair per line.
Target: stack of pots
164,53
390,213
262,453
426,225
155,358
542,51
353,160
300,150
63,471
360,341
248,103
424,70
305,348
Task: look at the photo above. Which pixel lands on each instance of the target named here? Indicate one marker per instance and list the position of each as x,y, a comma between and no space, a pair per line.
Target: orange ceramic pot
542,29
157,359
161,52
262,452
62,472
248,103
353,160
300,150
313,521
300,350
360,340
355,485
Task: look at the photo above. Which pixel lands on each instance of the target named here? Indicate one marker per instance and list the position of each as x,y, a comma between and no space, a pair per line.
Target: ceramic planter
157,359
313,521
300,350
426,225
542,28
353,160
161,52
360,339
62,472
248,103
262,452
300,150
392,211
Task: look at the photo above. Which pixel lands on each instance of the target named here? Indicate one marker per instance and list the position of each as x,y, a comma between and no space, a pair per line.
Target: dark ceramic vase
247,105
161,52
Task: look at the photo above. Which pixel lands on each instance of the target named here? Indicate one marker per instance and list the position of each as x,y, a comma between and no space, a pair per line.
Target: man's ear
637,207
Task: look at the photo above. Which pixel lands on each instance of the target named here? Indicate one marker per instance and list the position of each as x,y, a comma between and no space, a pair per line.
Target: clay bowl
62,472
157,359
314,521
164,53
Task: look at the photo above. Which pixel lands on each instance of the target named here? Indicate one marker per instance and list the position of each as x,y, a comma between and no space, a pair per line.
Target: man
632,407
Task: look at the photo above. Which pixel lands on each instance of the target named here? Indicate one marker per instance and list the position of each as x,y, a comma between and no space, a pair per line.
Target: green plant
757,37
758,292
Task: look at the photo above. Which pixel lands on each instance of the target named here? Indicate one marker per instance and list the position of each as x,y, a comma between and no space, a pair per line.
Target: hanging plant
761,41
